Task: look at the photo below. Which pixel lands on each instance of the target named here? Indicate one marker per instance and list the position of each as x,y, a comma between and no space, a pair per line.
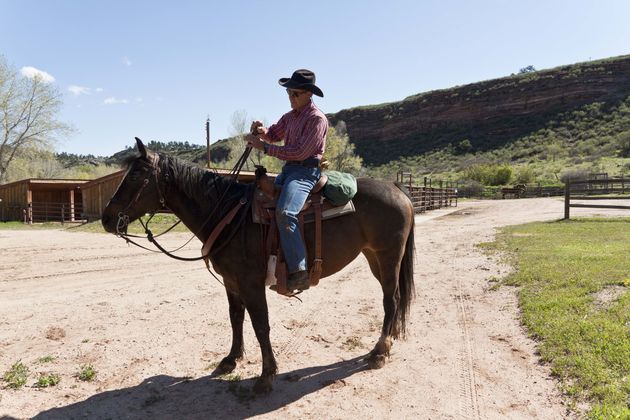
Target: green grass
561,266
23,226
45,359
158,224
87,373
16,376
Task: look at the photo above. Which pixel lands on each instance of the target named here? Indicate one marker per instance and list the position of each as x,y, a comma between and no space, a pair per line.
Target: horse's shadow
212,396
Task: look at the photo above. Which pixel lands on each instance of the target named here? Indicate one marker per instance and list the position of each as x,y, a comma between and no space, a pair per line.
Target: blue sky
157,69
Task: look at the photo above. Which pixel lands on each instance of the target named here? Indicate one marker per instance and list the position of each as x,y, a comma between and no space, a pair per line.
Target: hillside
490,114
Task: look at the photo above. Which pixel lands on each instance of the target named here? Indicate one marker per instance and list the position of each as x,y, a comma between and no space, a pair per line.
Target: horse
382,228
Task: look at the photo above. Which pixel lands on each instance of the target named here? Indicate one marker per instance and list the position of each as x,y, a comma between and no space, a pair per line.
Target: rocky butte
489,114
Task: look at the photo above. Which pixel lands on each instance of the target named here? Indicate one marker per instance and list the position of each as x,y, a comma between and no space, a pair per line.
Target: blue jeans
297,182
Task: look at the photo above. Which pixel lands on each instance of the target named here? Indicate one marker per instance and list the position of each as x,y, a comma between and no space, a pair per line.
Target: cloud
114,101
33,73
79,90
99,90
126,61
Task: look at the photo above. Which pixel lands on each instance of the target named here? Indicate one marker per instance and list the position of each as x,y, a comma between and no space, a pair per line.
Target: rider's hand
254,142
258,129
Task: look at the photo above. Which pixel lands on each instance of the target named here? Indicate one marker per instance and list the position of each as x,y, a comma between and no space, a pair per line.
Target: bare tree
28,112
240,123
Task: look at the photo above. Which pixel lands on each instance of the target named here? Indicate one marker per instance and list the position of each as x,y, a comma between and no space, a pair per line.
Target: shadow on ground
207,397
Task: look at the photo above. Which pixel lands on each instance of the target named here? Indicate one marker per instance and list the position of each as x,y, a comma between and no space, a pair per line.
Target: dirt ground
154,329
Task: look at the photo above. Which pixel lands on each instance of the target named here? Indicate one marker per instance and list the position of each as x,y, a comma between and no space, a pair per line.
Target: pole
208,139
567,199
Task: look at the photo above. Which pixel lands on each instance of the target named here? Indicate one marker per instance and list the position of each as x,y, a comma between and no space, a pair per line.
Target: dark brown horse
381,228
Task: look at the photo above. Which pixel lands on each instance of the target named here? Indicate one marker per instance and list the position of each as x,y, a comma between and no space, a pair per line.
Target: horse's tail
405,283
406,286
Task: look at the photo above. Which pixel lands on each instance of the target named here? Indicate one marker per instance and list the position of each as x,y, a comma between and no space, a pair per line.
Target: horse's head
138,193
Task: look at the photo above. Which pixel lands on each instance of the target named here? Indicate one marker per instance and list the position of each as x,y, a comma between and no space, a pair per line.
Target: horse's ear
141,148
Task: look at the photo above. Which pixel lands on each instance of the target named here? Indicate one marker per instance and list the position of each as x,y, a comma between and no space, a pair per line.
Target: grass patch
16,376
560,268
159,223
352,343
24,226
46,359
87,373
47,379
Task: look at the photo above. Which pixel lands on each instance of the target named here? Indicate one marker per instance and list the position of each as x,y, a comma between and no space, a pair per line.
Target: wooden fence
427,196
596,189
53,212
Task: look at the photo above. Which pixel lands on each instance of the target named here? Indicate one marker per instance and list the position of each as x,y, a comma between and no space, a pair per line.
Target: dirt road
154,328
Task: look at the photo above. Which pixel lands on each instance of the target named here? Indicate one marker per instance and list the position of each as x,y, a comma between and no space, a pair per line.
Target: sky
158,69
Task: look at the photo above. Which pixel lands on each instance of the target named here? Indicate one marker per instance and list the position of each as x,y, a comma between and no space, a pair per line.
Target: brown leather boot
298,280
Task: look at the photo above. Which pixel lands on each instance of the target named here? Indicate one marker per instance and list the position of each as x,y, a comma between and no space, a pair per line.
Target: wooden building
41,200
97,193
66,200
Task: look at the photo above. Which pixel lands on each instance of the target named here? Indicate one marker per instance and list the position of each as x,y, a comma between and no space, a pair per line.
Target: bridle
153,165
123,217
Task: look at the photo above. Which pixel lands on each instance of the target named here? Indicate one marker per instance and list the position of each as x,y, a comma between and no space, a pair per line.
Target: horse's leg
237,314
385,268
256,304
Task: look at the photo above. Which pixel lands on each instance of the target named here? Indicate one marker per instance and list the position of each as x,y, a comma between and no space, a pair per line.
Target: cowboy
303,130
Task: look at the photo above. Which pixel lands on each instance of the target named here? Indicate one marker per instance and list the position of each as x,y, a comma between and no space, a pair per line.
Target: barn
96,194
37,200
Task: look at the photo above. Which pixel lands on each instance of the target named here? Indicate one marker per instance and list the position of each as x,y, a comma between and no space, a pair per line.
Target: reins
123,219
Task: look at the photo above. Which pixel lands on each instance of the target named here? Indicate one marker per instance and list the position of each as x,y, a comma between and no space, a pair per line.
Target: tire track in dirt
469,406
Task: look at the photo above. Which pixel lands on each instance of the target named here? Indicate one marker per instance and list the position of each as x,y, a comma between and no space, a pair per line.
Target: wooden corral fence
530,191
596,189
537,190
427,196
36,200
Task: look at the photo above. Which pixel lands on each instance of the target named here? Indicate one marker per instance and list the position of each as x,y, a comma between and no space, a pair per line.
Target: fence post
567,199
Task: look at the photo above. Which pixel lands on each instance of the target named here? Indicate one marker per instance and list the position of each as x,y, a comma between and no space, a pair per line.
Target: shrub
623,142
87,373
524,175
573,174
46,380
489,174
16,376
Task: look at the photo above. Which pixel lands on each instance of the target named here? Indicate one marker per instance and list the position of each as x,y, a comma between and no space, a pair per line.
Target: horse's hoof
376,361
263,386
227,365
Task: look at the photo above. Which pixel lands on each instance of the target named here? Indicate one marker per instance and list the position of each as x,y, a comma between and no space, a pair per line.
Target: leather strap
207,246
316,270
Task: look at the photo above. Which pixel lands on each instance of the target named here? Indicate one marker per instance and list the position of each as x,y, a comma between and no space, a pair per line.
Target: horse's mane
198,183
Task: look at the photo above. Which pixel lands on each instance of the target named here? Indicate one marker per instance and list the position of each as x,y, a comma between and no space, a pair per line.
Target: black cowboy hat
302,79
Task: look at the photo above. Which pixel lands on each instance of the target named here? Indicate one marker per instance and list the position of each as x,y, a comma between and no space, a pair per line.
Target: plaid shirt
304,134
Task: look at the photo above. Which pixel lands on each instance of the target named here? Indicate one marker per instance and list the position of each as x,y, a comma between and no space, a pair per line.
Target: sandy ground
154,329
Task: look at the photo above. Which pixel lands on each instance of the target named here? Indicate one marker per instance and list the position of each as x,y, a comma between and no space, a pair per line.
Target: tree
340,152
28,112
528,69
463,147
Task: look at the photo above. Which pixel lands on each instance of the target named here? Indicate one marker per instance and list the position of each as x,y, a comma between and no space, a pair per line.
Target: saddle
316,209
